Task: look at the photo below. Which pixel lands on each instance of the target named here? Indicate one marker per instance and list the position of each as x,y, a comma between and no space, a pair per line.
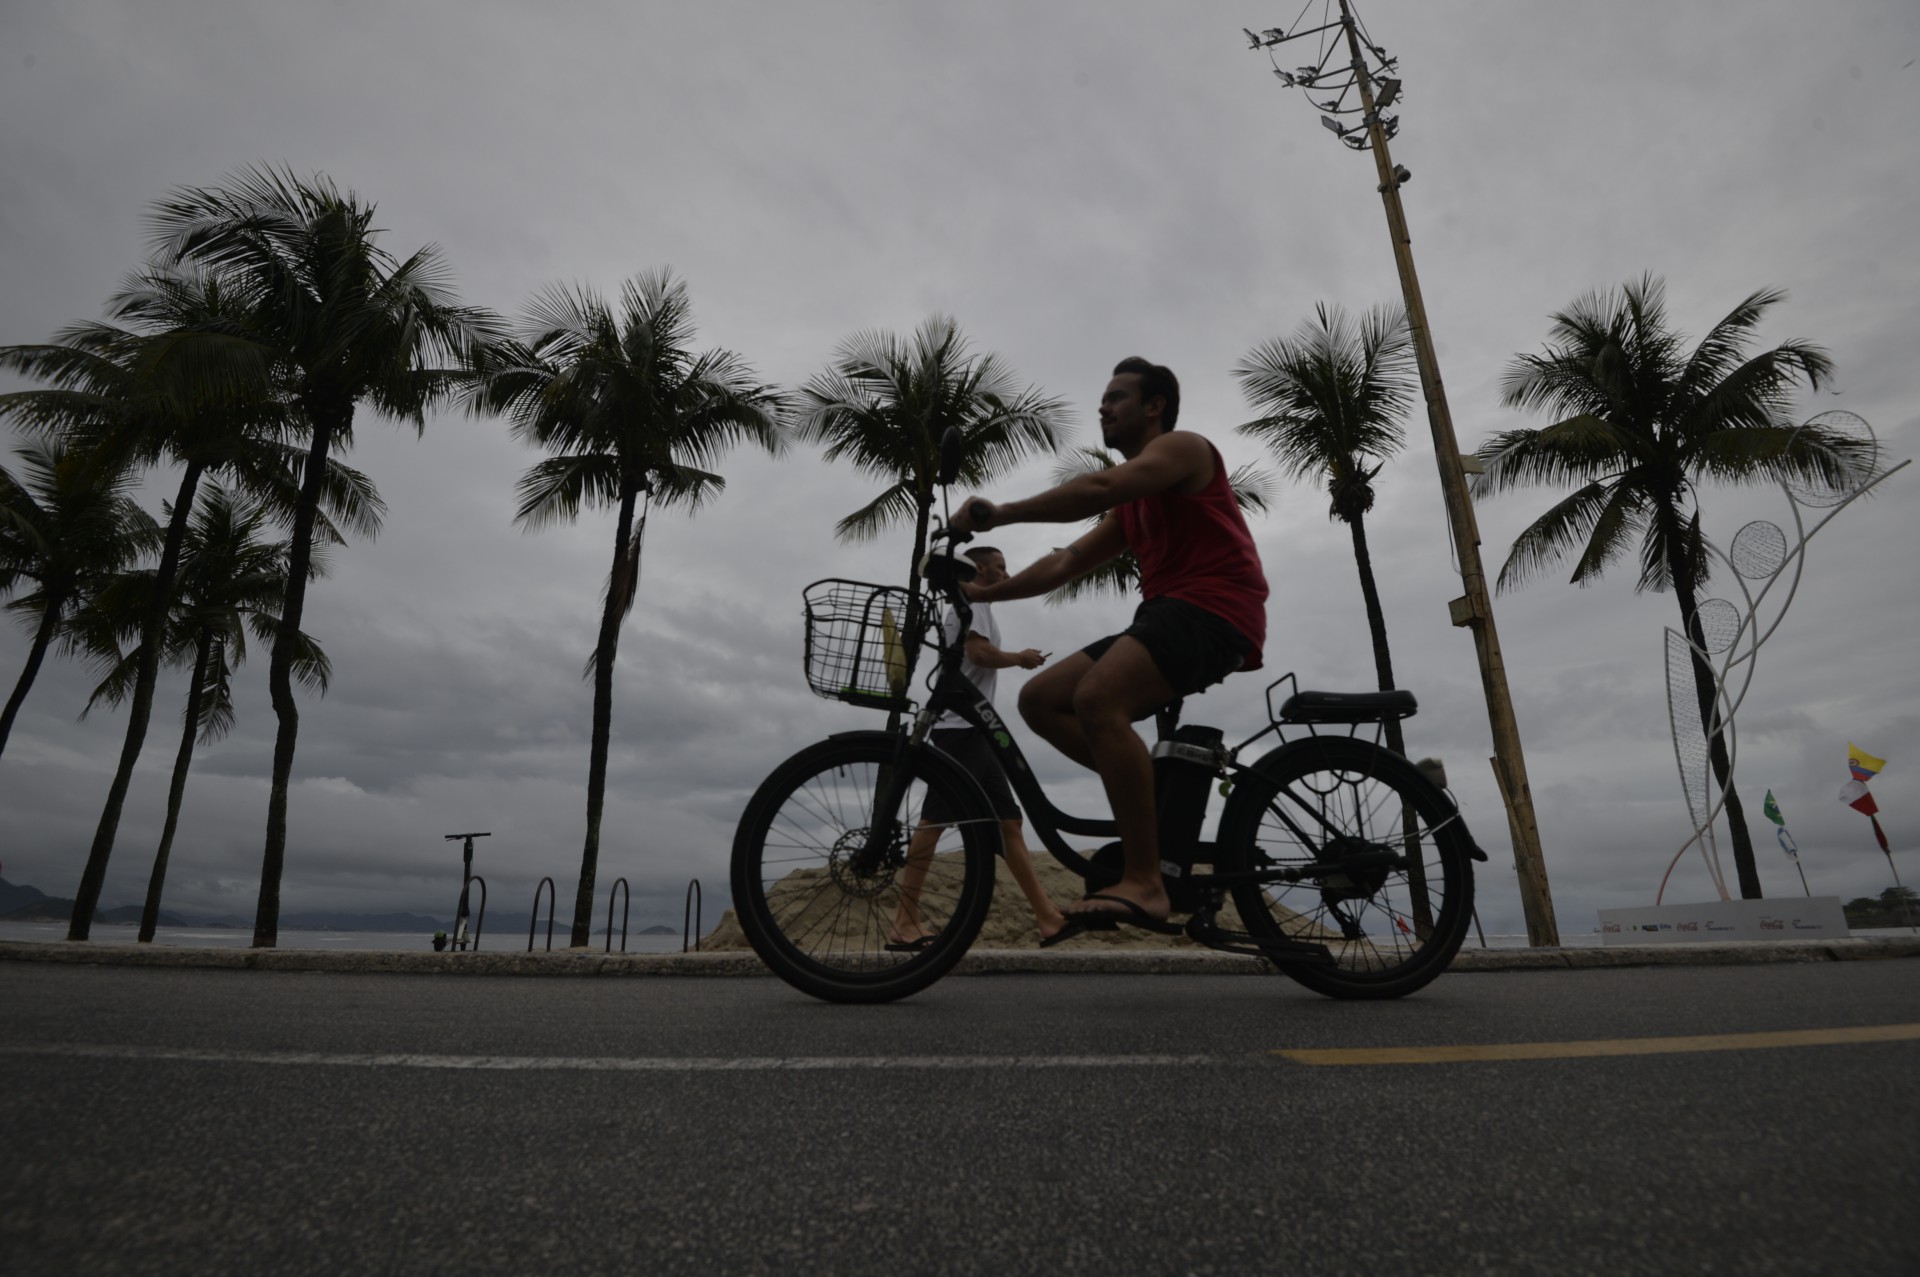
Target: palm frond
1331,396
553,491
1580,449
685,486
884,403
1569,524
1118,576
894,505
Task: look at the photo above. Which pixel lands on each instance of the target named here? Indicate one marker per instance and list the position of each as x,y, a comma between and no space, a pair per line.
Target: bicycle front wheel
1385,862
838,912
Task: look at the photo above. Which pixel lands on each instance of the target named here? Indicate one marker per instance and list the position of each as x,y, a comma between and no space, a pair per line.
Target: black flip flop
1134,916
1067,932
911,946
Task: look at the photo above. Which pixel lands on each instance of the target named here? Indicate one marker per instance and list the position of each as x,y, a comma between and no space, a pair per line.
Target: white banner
1815,918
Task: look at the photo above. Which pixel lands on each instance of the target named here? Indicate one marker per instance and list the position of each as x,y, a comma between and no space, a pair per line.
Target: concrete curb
1111,961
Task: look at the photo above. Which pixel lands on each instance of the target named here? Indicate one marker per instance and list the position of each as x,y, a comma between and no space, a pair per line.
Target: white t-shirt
984,677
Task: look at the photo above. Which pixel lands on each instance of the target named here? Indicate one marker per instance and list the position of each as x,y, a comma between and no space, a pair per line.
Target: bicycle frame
951,690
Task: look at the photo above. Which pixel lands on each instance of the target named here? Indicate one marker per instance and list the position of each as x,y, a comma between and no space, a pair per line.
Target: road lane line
1602,1047
614,1064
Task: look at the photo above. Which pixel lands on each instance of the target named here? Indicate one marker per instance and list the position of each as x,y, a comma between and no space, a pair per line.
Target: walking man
967,745
1202,615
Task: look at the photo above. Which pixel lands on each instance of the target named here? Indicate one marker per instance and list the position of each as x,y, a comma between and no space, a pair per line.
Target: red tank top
1195,547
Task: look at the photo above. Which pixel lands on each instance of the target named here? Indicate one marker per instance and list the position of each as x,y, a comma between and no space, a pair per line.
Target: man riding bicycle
1203,614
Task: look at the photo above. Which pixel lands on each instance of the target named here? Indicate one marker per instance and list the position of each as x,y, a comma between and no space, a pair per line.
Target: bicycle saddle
1348,707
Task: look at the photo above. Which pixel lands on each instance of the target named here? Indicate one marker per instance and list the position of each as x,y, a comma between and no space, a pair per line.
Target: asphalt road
180,1121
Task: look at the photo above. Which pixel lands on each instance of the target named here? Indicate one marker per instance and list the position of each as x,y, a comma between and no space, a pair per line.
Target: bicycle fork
889,792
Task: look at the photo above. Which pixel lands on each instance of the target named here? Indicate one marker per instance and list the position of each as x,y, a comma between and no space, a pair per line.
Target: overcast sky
1074,182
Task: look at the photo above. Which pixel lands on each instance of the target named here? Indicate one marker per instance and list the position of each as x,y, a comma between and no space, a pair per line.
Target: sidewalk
593,962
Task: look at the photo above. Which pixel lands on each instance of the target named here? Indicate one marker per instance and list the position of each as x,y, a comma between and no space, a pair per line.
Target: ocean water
500,942
330,941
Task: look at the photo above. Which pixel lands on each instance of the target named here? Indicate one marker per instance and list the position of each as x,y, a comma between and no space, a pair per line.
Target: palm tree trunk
1704,685
87,897
910,634
286,642
1376,619
156,881
1396,740
603,656
42,639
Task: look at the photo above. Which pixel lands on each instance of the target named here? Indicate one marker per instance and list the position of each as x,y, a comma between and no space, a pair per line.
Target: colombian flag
1863,765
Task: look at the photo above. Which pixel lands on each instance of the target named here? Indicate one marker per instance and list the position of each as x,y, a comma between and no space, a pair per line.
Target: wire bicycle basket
857,645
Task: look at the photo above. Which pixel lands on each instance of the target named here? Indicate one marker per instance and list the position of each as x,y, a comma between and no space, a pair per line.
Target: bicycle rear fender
1268,764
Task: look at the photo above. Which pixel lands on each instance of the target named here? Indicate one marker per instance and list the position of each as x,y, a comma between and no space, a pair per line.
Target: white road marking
1689,1045
611,1064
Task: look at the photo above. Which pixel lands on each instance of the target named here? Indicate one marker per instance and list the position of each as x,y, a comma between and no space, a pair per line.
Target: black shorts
968,746
1193,648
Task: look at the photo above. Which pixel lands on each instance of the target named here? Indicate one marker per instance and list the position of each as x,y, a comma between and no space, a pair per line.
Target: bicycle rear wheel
1396,912
820,899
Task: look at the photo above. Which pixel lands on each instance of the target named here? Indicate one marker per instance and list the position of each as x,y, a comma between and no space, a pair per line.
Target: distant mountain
13,897
45,909
336,921
128,915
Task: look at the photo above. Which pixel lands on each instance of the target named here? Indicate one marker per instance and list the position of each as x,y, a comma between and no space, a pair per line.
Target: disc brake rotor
845,865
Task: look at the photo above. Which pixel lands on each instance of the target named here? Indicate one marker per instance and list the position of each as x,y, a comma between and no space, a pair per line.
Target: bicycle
1348,866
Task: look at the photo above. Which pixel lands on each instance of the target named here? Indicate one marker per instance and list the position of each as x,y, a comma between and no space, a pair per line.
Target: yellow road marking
1603,1046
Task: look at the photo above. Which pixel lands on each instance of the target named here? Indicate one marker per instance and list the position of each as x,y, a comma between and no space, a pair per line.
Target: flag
1863,765
1855,795
1880,834
1787,843
1771,810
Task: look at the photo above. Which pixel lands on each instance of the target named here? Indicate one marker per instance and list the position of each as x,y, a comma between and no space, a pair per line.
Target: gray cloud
1074,183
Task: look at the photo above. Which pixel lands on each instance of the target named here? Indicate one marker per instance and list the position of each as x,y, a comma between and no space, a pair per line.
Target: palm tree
884,403
1252,492
1332,398
1641,424
67,527
347,323
182,383
230,581
633,417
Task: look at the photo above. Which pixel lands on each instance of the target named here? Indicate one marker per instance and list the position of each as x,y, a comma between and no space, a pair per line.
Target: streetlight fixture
1356,95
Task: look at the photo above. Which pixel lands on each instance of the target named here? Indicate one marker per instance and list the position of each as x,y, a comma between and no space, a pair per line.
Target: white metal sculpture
1731,634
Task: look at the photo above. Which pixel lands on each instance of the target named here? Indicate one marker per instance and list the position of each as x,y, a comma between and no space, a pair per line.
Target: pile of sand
1009,923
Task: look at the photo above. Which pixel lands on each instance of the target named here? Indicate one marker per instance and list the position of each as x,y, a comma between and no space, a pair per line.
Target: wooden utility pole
1474,609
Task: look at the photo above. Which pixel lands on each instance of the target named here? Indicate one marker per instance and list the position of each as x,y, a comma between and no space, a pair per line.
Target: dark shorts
1193,648
968,746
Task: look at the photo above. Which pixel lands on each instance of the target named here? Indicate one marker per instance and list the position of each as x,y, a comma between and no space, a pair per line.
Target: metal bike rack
619,884
546,885
692,911
479,918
